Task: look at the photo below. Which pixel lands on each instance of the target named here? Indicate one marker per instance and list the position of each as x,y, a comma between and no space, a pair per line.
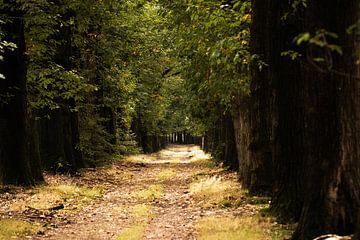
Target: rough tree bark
260,173
18,156
287,118
242,139
229,143
332,124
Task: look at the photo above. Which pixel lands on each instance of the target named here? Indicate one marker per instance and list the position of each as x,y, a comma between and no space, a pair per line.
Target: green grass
48,196
135,232
142,214
12,228
141,211
166,174
118,174
219,228
211,191
75,191
152,193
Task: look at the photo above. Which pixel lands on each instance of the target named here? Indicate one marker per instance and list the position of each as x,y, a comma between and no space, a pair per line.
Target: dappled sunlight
178,191
231,228
181,154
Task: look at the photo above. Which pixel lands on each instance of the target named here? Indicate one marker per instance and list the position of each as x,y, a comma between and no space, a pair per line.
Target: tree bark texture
242,139
18,153
261,179
59,141
332,124
287,113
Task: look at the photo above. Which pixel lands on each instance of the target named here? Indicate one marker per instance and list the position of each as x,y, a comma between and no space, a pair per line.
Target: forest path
148,198
173,194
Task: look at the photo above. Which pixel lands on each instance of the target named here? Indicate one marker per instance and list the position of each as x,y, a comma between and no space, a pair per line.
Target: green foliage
80,52
152,67
319,39
211,40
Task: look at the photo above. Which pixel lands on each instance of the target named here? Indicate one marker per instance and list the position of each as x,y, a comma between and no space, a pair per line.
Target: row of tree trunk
19,157
297,136
48,138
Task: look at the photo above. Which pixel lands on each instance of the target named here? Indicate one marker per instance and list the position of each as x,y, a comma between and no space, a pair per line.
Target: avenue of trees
271,86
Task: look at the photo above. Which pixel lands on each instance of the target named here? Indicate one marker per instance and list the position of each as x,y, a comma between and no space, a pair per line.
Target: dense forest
269,88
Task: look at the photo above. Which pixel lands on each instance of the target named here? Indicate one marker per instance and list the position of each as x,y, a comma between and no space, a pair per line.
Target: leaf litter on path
172,194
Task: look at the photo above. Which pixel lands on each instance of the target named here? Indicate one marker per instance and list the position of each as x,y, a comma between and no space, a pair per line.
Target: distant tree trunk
59,138
332,130
261,179
242,139
228,141
18,156
109,114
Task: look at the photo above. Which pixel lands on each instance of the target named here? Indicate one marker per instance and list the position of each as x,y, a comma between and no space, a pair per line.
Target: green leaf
302,37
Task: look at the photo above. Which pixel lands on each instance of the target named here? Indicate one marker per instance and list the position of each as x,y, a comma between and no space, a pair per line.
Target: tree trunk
60,137
229,143
242,138
18,153
332,125
260,101
59,141
287,114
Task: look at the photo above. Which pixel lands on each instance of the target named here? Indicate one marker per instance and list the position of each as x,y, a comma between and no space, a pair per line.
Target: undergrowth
71,196
214,190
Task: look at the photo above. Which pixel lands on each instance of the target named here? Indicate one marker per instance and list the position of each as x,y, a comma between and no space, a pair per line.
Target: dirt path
172,214
160,197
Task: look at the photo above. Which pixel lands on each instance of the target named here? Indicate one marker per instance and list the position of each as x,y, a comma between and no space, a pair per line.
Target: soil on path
147,196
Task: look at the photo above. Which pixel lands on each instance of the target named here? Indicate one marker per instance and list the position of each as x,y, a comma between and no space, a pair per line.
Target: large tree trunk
332,125
17,146
287,114
260,101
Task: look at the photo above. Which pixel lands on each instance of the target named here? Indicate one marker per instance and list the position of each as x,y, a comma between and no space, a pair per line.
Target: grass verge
218,228
71,196
12,228
214,190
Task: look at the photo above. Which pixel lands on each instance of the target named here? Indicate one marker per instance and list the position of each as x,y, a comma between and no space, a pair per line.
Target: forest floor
178,193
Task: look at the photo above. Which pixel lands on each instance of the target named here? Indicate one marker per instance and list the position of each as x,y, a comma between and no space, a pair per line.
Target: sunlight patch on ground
71,196
152,193
214,190
119,174
219,228
135,232
141,158
166,174
141,211
142,214
11,228
183,153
